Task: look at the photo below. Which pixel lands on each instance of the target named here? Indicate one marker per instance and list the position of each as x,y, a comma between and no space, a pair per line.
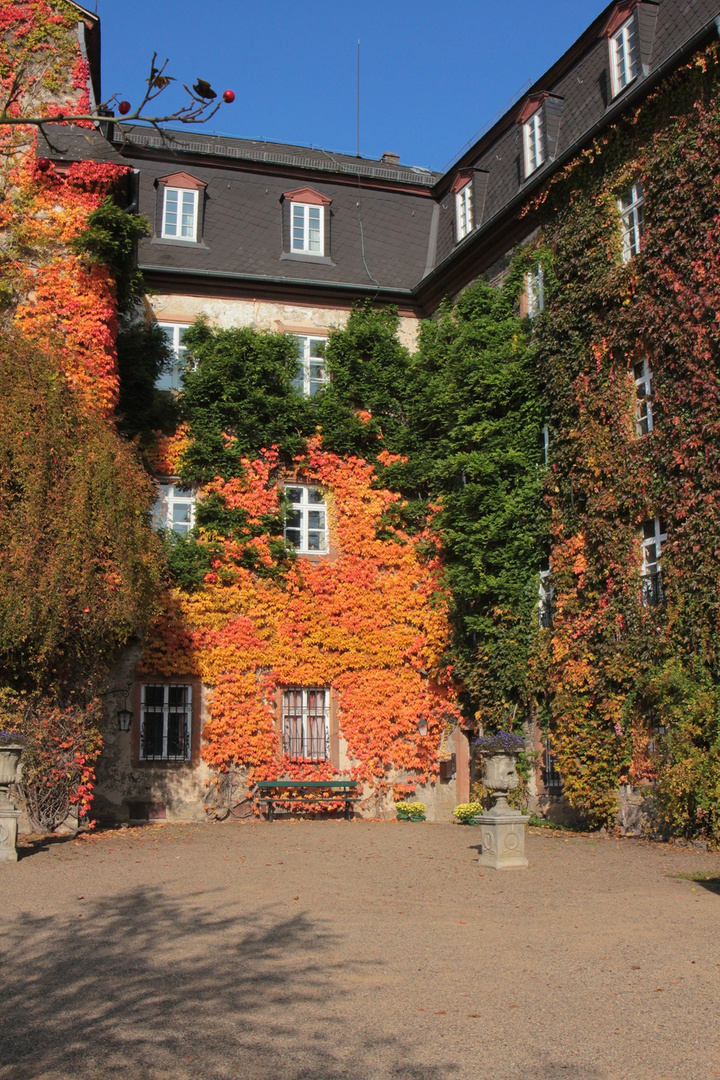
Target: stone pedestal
8,830
9,758
502,832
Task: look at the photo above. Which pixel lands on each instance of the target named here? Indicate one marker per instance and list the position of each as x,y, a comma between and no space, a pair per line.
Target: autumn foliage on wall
631,689
369,621
79,565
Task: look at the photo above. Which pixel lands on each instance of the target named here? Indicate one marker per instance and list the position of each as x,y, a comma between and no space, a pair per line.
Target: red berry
43,164
229,97
124,108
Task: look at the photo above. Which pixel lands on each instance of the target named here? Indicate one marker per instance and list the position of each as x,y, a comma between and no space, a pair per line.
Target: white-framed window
306,521
464,211
643,389
535,291
172,379
307,228
311,371
180,216
632,221
174,507
623,56
534,141
654,535
306,722
165,722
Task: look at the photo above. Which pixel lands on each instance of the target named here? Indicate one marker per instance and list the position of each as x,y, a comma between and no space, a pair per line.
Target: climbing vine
631,690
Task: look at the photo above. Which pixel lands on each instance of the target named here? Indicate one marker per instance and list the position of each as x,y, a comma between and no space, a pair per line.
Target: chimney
390,159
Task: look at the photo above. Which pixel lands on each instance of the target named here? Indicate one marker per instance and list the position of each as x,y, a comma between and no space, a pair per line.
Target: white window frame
534,141
171,749
643,378
174,333
464,211
302,713
307,380
189,238
624,56
535,291
300,219
654,535
305,531
632,220
176,495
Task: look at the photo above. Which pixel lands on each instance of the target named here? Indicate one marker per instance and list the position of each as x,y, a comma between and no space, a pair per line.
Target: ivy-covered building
487,497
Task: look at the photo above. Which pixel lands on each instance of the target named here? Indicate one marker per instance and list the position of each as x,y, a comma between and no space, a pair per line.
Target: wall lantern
124,719
422,727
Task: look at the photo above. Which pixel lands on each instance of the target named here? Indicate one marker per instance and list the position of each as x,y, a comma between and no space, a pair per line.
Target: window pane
315,495
293,537
294,494
154,695
316,519
153,735
316,541
294,519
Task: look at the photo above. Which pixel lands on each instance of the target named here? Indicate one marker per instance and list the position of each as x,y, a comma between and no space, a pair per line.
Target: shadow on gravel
140,985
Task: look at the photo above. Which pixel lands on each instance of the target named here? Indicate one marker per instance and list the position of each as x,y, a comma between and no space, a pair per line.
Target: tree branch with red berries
201,106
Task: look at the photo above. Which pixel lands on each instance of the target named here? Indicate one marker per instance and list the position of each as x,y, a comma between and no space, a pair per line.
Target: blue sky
431,77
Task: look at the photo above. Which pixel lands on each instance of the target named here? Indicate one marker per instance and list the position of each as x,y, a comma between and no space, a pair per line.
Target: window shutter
553,112
479,191
334,731
646,15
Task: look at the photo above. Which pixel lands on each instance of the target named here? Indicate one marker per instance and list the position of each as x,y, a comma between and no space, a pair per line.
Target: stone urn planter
503,828
10,750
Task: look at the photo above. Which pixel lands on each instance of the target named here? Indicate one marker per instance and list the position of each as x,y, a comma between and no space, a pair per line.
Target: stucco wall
263,315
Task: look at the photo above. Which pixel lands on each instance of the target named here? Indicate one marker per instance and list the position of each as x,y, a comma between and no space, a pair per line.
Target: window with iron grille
643,388
534,141
623,56
311,372
552,778
174,507
165,722
463,208
654,536
305,524
307,226
172,379
632,221
306,722
179,219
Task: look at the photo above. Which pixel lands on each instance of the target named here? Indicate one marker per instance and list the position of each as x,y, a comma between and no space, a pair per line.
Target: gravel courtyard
331,950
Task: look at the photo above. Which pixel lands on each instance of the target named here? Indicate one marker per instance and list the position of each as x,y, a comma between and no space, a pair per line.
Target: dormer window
180,210
463,209
623,55
179,219
305,225
540,118
533,137
308,234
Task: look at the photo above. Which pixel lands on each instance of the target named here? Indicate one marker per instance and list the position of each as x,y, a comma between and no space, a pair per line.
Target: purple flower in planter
502,742
12,737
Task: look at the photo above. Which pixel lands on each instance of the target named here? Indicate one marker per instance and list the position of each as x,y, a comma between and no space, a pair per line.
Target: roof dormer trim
461,180
181,180
531,105
306,195
620,14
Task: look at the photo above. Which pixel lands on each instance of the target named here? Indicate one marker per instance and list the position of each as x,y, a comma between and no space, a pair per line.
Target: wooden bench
306,792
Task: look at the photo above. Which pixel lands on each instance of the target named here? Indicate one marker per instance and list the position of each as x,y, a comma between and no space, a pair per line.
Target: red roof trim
531,105
462,179
307,195
181,180
621,14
